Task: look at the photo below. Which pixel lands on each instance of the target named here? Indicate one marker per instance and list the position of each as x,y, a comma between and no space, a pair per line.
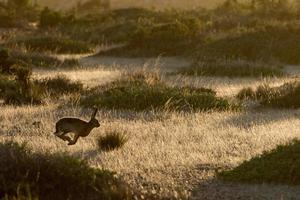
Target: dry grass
179,151
167,151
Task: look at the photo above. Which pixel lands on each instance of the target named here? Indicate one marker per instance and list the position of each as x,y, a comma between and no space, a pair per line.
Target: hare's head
95,123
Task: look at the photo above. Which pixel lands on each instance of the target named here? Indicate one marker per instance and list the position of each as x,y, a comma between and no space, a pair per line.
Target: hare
77,126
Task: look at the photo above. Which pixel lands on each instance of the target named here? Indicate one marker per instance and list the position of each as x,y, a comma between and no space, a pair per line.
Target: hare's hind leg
62,135
65,137
72,142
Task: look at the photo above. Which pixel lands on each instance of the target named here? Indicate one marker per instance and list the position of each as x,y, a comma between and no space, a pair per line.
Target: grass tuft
279,166
111,141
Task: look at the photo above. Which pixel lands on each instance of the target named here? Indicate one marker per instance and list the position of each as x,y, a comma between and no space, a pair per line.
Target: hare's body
77,126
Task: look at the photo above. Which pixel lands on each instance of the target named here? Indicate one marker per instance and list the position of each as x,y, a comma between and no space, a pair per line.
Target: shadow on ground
215,190
272,175
259,117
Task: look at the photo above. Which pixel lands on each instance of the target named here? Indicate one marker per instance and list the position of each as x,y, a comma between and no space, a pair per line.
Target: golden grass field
168,153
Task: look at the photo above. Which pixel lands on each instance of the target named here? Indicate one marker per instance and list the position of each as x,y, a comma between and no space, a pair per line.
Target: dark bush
7,21
45,61
56,44
6,84
147,38
232,69
57,176
15,95
246,93
285,96
50,18
279,166
143,93
60,85
111,141
268,42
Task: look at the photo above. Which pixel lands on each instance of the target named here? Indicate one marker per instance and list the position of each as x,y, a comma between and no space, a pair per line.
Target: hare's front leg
72,142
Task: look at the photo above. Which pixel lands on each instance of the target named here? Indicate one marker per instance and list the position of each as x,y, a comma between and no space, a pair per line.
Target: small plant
279,166
111,141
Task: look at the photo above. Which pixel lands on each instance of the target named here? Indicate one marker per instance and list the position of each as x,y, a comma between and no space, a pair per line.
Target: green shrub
13,91
285,96
147,38
141,92
7,21
111,141
56,44
246,93
70,63
36,59
269,42
231,69
44,61
6,84
49,18
15,84
60,85
13,94
92,6
279,166
56,176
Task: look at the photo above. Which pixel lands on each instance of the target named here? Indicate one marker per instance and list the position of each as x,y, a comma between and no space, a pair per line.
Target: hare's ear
94,113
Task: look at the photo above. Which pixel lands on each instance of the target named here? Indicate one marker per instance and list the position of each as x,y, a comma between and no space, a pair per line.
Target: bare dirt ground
169,154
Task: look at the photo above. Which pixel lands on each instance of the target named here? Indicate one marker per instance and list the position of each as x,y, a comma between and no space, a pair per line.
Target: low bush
45,61
56,44
60,85
25,175
50,18
15,84
6,84
12,92
148,38
279,166
278,42
111,141
285,96
232,69
7,21
141,92
246,93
